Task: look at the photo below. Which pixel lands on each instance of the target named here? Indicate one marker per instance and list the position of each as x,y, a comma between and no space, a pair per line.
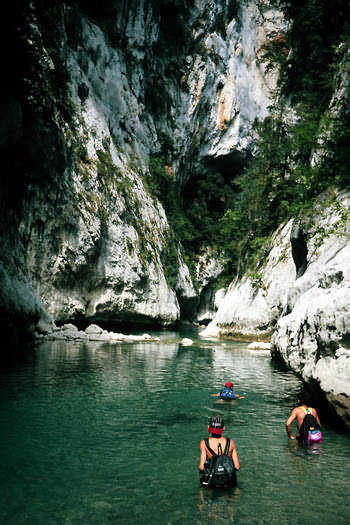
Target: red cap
229,384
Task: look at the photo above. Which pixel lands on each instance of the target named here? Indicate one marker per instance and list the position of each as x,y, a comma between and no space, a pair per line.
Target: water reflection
294,448
218,506
109,433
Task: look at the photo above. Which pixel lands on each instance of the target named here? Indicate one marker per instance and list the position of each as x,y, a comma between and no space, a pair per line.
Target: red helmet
229,384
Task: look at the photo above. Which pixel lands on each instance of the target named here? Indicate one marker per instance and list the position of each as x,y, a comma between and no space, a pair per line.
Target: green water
109,434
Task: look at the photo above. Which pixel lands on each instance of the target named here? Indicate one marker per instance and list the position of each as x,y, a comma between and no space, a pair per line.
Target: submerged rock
259,345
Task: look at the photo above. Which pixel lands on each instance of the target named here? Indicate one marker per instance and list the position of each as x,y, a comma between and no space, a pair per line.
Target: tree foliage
283,178
301,150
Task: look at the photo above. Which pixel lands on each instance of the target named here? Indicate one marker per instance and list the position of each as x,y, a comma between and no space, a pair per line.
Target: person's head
216,425
304,399
228,384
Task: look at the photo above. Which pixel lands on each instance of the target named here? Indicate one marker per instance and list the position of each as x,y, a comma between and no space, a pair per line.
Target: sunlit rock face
98,90
244,88
301,297
208,270
313,336
254,303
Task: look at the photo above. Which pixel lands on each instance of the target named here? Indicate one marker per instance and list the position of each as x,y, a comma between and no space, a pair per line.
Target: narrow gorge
181,161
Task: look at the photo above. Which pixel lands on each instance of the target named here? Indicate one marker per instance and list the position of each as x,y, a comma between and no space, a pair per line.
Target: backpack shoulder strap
307,410
227,447
206,441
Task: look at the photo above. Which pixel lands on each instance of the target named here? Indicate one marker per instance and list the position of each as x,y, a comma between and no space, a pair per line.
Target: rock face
91,94
207,271
252,305
95,93
313,336
302,298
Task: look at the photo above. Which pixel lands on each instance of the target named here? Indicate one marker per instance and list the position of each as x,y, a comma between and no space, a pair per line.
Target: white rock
252,307
93,329
186,342
259,345
69,327
310,337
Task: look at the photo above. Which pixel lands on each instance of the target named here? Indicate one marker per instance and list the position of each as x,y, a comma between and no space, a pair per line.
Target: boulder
253,304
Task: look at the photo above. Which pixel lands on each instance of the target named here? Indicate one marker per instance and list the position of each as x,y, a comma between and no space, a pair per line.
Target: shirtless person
215,428
299,414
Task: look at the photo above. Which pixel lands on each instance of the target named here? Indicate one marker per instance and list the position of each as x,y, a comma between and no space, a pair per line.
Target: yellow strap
307,409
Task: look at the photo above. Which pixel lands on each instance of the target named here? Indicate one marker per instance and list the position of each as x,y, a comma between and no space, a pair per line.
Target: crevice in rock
206,306
325,407
188,307
345,341
299,249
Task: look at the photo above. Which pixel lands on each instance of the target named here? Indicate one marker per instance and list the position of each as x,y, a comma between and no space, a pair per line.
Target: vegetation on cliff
303,146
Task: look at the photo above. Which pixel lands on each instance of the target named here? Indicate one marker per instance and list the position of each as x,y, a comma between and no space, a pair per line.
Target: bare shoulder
232,444
298,411
294,414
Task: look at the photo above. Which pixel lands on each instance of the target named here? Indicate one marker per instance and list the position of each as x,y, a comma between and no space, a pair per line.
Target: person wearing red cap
228,393
217,445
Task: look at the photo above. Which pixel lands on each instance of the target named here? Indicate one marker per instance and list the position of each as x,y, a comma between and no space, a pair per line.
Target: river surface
109,434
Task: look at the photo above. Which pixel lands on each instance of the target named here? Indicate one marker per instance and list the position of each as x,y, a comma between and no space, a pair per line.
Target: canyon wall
299,300
91,95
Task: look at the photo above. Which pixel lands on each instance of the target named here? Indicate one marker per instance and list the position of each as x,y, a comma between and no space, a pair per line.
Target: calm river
109,434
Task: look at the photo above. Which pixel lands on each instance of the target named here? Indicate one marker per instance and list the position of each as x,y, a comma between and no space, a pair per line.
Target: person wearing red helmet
218,446
228,393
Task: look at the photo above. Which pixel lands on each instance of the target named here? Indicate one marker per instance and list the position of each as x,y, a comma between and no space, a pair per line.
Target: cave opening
208,194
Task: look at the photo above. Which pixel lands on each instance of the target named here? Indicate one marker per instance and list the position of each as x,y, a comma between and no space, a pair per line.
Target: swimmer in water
228,393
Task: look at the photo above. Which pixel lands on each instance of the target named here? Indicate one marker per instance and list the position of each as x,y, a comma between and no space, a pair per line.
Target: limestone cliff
313,335
250,307
300,296
92,93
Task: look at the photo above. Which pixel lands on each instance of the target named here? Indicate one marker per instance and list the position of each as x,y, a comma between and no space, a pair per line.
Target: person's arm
234,455
215,395
289,422
203,456
238,396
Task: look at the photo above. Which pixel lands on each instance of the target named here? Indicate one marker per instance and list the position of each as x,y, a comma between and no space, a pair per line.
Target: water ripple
110,434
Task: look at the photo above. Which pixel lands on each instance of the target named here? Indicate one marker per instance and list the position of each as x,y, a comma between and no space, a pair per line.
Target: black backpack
219,470
309,424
